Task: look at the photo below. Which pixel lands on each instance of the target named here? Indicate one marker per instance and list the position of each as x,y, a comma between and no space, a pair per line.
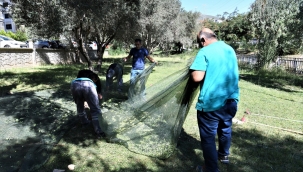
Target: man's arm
128,57
130,54
98,84
197,75
151,59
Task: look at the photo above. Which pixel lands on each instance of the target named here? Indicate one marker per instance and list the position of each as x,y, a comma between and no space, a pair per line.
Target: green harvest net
32,123
151,124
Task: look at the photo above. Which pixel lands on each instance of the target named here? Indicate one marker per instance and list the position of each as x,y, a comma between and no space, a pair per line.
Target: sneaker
101,135
199,168
223,159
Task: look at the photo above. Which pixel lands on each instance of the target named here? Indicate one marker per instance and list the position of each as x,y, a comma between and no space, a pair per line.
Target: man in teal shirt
216,69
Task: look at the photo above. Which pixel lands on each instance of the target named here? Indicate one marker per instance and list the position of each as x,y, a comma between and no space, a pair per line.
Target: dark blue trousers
212,123
86,91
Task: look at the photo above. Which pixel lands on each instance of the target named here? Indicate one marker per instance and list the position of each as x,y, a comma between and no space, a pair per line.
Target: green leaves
276,24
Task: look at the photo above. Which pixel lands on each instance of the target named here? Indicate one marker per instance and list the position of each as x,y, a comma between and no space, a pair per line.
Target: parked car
41,44
6,42
57,44
53,44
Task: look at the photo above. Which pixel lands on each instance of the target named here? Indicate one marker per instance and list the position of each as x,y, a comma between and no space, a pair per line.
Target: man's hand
99,96
125,58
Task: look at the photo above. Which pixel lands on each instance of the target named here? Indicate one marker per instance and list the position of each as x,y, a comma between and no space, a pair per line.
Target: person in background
114,72
215,67
139,54
87,88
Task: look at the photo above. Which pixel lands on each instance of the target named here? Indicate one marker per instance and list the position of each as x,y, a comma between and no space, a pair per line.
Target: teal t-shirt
83,79
219,61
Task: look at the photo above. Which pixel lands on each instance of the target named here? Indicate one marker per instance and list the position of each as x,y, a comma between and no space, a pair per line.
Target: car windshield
6,38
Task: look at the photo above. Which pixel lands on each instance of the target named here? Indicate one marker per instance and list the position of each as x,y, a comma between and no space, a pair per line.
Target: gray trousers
86,91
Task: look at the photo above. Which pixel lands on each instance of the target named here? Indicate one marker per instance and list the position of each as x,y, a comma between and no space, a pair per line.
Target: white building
6,21
204,17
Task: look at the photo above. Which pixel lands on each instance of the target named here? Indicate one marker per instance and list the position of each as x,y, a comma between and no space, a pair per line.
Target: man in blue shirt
216,69
139,54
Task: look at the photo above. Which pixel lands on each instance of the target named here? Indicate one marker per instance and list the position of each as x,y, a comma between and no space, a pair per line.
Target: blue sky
215,7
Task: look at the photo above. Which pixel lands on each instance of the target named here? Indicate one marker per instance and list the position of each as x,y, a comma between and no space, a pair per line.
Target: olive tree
79,20
155,21
181,32
155,18
275,24
185,26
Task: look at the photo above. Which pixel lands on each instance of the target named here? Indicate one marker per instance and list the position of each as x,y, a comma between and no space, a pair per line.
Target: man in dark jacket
87,88
114,72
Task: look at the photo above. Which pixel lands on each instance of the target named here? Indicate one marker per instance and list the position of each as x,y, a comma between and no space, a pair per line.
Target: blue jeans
212,123
133,75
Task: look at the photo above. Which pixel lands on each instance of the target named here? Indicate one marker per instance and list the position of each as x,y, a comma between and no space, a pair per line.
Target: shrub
19,35
235,45
116,49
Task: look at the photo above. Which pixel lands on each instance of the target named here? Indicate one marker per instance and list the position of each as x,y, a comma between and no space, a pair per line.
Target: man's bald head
207,33
205,37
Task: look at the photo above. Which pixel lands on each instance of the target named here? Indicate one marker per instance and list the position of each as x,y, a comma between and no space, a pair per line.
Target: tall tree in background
291,41
81,20
44,18
180,32
110,20
51,19
185,27
235,28
155,21
232,28
155,18
275,24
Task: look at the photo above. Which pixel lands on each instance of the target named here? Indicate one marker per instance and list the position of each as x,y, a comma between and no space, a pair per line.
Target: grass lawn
271,139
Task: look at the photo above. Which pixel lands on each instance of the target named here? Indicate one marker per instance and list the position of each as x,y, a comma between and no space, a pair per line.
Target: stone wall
22,57
50,56
16,57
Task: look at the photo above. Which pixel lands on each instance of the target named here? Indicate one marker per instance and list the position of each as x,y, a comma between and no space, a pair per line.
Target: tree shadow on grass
258,150
31,125
271,80
252,151
181,161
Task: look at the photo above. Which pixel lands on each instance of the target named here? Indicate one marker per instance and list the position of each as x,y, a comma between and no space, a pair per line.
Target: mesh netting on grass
151,125
33,123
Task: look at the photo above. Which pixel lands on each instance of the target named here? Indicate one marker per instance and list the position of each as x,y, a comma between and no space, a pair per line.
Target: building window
5,4
8,26
7,16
